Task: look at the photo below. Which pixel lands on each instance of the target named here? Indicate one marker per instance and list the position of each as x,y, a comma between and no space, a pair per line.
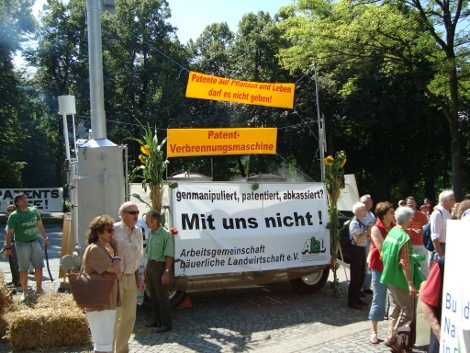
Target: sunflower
145,150
329,161
343,162
141,159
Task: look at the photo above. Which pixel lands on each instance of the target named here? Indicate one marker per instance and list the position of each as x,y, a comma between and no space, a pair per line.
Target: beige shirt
129,246
98,259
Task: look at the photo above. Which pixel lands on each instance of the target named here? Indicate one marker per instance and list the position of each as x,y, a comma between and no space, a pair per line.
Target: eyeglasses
10,210
132,212
109,230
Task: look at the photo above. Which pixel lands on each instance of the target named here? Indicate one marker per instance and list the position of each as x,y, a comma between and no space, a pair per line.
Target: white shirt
357,227
439,224
369,219
129,247
466,215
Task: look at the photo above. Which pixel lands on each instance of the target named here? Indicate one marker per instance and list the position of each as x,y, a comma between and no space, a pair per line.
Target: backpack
345,242
427,235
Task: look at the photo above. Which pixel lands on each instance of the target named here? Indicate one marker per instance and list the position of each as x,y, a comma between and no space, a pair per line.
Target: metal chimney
95,60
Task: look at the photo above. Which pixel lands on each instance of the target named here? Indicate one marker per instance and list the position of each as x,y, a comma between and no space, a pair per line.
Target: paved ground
272,318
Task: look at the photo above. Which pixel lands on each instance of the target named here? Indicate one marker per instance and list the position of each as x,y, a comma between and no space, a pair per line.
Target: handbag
91,291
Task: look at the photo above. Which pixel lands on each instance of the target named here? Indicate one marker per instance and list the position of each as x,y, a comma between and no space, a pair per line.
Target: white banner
229,227
46,199
455,319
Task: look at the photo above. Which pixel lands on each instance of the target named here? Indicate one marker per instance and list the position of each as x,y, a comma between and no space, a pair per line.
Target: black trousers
161,306
357,266
15,272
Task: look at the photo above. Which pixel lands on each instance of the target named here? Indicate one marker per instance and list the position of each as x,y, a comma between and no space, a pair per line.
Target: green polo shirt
25,224
160,244
392,272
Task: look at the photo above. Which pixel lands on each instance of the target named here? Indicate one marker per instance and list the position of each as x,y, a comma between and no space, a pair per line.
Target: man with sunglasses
127,243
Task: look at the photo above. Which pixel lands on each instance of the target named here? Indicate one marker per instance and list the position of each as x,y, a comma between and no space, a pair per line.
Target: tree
141,82
403,35
60,58
15,22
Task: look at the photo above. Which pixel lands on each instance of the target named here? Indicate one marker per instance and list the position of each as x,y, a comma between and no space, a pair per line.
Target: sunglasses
109,230
132,212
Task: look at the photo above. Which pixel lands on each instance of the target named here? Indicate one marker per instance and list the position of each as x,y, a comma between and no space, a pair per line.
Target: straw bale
5,303
5,295
52,321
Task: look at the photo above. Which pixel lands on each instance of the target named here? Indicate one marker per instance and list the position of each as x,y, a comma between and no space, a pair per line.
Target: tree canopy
392,79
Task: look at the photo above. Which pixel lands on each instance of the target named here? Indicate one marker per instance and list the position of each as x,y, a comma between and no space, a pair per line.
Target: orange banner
214,142
277,95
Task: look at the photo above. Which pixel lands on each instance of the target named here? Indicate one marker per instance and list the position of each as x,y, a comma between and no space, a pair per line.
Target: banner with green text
235,227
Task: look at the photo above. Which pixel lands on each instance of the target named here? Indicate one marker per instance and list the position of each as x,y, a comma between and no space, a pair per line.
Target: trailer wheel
176,298
310,283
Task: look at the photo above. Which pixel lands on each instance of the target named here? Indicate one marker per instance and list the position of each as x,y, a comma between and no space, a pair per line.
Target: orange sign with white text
277,95
220,141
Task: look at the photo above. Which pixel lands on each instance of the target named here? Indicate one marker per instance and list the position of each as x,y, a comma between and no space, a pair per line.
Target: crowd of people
114,247
390,246
388,260
121,250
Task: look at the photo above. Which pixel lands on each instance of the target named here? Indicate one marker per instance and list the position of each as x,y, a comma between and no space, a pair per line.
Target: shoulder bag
91,291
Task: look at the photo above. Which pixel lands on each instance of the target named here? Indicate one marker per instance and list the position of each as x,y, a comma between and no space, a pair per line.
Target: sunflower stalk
153,165
334,180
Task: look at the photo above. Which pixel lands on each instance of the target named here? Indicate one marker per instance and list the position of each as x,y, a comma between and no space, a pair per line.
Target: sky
192,16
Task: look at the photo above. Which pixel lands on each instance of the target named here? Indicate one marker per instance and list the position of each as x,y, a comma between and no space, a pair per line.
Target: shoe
390,342
40,292
363,303
355,306
162,329
23,297
153,324
373,338
368,291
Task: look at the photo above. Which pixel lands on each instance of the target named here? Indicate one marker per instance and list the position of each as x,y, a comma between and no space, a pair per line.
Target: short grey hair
445,195
403,215
364,198
357,206
125,205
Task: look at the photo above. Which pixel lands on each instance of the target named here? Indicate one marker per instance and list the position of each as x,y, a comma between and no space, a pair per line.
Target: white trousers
102,329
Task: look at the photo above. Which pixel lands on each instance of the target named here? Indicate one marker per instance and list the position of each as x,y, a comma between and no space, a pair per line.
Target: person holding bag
397,274
98,259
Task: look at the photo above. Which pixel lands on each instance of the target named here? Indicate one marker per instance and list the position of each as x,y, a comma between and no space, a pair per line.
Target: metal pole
74,137
66,137
98,117
320,128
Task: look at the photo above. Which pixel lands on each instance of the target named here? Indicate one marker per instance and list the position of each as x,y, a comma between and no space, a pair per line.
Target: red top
432,289
417,222
375,261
